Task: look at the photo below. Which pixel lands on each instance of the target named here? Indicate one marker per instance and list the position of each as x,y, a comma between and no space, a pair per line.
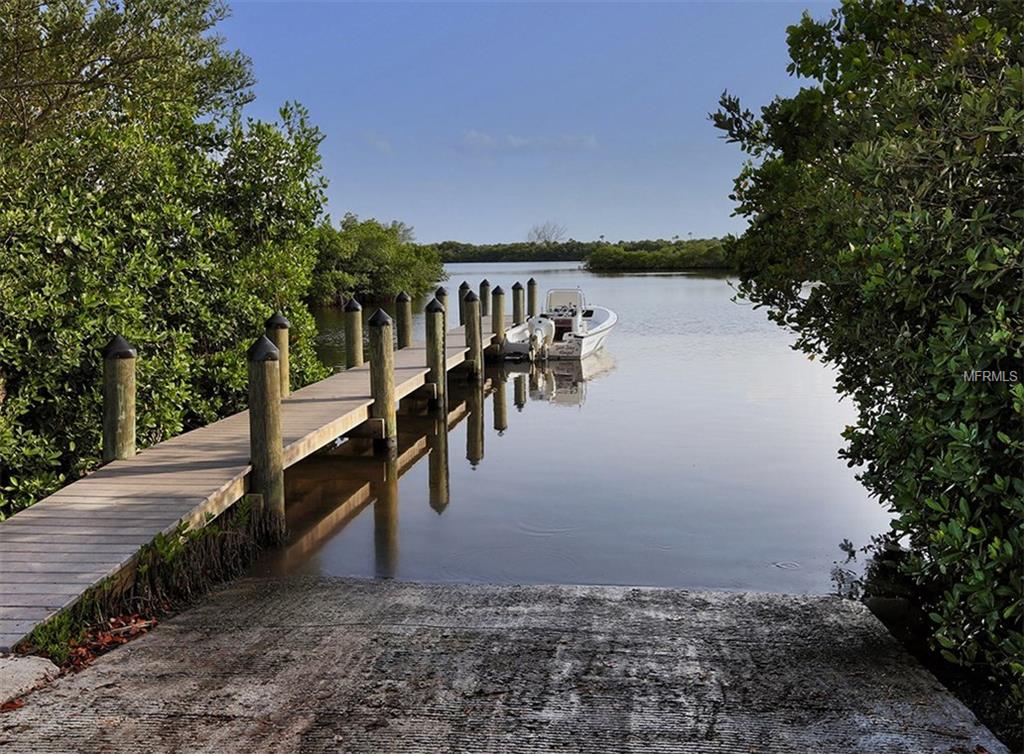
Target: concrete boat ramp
303,664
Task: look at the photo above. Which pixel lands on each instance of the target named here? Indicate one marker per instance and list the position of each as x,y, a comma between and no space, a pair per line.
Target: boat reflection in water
326,492
563,382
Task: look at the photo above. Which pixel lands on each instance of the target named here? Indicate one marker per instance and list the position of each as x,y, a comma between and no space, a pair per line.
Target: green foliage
675,254
368,259
698,254
886,231
63,64
57,637
180,232
169,572
175,568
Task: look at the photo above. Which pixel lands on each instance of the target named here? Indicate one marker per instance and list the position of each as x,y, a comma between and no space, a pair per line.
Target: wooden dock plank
53,552
64,547
12,560
53,590
89,576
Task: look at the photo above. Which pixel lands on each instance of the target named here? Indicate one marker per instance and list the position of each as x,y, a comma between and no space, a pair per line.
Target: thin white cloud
479,141
378,142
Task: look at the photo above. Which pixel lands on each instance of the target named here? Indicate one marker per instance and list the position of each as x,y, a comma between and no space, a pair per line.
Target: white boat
569,327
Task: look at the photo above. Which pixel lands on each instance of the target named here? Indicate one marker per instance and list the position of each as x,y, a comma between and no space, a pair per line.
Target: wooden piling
118,399
520,392
277,328
441,294
463,290
485,298
382,377
474,337
532,309
438,374
498,315
266,448
353,334
403,315
518,304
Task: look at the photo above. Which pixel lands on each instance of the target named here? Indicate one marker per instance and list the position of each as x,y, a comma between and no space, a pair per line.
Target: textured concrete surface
316,665
20,675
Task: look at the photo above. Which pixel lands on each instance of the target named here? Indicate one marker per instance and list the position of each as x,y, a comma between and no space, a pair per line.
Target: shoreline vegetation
917,283
653,255
371,261
140,201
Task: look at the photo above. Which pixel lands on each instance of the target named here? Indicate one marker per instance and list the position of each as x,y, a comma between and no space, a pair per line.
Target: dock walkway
53,552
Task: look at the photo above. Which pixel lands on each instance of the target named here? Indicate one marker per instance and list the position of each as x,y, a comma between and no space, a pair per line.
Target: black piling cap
278,322
531,281
441,292
498,292
471,296
464,286
119,348
402,297
380,318
434,306
484,282
353,306
517,286
263,350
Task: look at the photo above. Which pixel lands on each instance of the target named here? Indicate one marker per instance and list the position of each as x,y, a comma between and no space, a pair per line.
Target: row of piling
269,379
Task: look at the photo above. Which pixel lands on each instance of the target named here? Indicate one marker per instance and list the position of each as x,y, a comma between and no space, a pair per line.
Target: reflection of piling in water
536,379
437,464
520,391
385,521
475,423
500,403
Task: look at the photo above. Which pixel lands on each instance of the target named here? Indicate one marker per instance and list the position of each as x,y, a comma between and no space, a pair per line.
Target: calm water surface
698,450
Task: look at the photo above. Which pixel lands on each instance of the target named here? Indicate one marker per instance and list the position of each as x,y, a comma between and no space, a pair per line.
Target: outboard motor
544,328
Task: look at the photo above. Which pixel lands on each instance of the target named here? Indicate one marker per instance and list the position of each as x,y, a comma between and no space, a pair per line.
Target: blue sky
475,121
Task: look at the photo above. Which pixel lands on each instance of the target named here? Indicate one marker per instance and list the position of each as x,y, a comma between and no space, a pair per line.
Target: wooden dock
54,551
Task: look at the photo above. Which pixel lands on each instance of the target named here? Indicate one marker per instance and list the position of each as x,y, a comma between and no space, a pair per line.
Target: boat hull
574,346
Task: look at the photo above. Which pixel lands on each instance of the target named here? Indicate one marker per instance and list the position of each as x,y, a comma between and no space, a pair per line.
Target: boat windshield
565,297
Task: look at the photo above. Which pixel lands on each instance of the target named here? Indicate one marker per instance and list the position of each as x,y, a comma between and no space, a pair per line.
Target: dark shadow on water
872,574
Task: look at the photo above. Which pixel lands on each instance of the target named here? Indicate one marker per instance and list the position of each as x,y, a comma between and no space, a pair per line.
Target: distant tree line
631,256
654,256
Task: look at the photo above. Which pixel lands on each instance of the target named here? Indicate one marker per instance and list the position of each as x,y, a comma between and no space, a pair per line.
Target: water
699,451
